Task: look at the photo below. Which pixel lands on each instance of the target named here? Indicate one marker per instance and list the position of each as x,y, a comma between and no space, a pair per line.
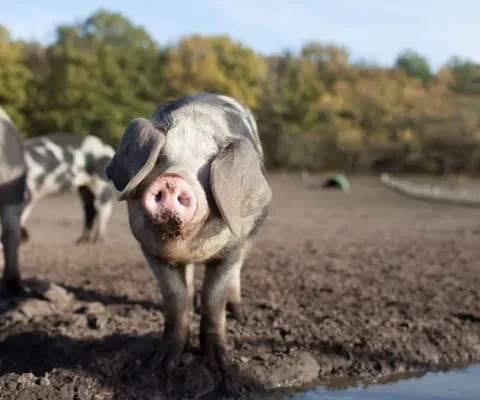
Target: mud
338,285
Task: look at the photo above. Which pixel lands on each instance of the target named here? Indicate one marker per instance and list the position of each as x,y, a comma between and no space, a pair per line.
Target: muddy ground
337,285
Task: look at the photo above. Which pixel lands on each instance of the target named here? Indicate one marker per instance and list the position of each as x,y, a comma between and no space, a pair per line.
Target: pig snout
170,202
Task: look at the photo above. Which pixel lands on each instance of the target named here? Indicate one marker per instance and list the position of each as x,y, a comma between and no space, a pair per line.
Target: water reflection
456,384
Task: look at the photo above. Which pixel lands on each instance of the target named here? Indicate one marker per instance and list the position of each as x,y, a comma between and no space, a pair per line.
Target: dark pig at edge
13,176
194,182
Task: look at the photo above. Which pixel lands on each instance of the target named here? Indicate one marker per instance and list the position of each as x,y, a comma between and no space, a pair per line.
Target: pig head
12,191
196,192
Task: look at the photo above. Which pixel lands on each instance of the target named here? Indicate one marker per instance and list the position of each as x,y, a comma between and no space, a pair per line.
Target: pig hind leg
97,208
27,210
24,235
234,305
89,212
234,294
103,205
11,236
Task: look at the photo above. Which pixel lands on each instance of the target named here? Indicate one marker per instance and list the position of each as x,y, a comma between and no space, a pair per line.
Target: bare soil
357,284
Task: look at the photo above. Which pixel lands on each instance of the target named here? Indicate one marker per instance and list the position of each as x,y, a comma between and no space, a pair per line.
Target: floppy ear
135,157
238,184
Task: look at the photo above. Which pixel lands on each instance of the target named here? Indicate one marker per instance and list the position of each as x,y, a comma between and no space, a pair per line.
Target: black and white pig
13,175
59,162
194,182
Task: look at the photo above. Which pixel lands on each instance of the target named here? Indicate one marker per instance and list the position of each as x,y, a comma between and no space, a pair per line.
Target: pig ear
238,185
135,157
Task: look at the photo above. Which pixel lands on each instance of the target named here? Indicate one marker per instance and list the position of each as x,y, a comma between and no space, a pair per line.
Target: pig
196,191
62,161
13,176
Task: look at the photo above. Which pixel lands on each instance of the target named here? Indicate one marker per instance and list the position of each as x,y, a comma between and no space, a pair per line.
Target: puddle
452,384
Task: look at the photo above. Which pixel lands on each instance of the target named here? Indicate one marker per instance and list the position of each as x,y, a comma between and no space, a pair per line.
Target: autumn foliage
316,110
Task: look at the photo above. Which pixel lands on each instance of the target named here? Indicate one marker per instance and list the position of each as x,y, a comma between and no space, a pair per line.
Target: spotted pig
60,162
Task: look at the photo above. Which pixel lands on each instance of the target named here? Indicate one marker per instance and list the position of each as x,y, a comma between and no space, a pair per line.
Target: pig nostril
184,200
158,197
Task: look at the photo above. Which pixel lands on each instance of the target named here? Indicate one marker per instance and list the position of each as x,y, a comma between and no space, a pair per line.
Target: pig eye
161,159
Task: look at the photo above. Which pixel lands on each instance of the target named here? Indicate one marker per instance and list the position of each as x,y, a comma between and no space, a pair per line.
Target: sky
372,30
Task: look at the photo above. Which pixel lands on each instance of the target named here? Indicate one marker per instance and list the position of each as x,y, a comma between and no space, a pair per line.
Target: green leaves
315,108
101,74
414,65
15,77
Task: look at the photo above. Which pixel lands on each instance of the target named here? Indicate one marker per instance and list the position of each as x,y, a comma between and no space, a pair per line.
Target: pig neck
197,248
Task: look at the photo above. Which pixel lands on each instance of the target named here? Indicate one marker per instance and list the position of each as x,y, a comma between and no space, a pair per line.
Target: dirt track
357,284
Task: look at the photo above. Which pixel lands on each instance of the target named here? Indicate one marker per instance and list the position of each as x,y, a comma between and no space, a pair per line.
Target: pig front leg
11,237
219,274
175,289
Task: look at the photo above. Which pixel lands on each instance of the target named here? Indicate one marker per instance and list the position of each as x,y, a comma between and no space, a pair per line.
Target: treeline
316,110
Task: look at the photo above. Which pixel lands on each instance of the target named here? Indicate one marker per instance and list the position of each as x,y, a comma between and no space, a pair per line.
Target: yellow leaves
216,64
445,76
408,136
349,135
192,66
310,106
10,51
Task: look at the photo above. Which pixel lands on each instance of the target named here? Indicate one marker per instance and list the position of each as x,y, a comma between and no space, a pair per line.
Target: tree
315,108
14,79
466,76
216,64
102,73
414,65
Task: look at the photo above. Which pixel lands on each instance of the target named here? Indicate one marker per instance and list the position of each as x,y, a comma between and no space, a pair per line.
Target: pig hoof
11,286
82,240
97,239
167,356
214,352
237,312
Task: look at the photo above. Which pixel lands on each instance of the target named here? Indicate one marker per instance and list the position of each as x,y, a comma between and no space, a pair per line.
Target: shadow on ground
114,362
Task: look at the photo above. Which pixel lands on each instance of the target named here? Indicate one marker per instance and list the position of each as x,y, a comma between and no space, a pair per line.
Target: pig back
239,117
12,162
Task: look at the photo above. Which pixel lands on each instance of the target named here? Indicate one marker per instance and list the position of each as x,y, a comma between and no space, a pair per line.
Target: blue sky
372,30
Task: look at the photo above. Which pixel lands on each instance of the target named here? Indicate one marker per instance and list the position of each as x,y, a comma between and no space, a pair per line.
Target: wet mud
338,285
